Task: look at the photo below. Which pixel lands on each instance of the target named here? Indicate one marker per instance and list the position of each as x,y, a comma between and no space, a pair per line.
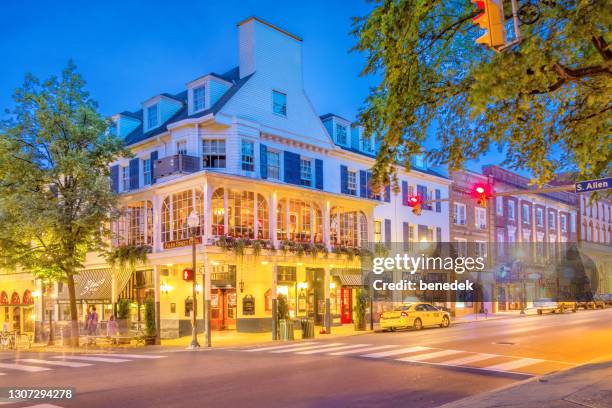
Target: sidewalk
585,386
232,338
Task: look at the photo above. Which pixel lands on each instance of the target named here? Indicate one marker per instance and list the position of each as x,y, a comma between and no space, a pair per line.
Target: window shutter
363,184
319,174
134,179
263,161
438,234
343,179
153,160
404,192
114,171
438,203
388,194
292,167
406,235
387,231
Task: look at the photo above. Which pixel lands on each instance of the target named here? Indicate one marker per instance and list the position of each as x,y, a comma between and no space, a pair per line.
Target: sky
129,51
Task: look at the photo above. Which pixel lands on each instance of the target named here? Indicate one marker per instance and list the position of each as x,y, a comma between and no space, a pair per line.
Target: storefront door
346,311
223,309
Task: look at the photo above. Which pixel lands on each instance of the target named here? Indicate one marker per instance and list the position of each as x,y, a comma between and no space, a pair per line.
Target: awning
96,285
348,276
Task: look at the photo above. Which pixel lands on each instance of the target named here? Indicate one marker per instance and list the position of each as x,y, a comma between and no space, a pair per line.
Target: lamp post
193,221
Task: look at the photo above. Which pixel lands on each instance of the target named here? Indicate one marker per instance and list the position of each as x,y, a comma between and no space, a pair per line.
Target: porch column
157,223
156,291
328,318
114,293
326,225
273,199
206,227
274,301
225,213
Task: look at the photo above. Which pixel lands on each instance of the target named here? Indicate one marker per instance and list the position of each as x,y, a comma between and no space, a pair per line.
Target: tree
545,102
55,195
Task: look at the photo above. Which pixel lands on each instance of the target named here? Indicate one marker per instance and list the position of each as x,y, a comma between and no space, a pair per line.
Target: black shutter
292,168
114,171
387,231
263,161
153,160
438,234
438,203
388,194
363,184
134,179
343,179
319,174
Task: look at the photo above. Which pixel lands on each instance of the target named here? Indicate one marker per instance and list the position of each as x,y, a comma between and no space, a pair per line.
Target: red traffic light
415,201
481,192
187,274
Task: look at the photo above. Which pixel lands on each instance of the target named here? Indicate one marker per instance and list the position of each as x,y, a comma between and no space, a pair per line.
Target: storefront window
175,210
348,228
134,225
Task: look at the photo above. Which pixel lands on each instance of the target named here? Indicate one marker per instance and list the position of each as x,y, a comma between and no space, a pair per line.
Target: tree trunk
74,316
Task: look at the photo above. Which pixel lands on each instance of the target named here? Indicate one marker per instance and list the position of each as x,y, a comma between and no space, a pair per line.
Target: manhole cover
505,343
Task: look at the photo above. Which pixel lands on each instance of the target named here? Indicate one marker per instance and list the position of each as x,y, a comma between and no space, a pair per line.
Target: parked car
554,305
415,315
600,301
589,301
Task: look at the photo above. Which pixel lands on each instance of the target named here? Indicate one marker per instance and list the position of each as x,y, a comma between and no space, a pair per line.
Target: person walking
87,319
93,321
111,327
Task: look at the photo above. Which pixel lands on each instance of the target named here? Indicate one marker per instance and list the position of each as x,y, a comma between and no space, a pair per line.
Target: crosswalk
494,363
34,365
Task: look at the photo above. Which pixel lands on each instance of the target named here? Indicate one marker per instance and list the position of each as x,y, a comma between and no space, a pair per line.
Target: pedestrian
93,321
111,327
87,319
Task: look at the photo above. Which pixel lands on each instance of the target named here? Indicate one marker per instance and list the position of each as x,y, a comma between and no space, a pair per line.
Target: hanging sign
181,242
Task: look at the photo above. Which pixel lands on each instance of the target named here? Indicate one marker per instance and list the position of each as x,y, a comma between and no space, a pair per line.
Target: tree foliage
545,102
55,196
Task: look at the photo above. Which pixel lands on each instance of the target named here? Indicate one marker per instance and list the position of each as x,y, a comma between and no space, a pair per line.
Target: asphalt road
399,369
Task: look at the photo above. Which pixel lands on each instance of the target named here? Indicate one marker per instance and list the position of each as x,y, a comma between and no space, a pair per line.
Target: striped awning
96,285
348,276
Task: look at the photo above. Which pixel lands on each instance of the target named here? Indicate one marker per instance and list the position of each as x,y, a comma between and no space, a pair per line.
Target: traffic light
492,20
416,202
481,192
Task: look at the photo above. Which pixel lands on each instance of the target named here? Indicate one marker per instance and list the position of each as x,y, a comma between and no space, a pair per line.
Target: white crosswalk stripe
361,350
327,349
306,348
277,347
54,363
515,364
22,367
469,359
136,356
430,356
396,352
97,359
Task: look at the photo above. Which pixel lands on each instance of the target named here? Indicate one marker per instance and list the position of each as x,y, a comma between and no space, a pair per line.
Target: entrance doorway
346,311
223,309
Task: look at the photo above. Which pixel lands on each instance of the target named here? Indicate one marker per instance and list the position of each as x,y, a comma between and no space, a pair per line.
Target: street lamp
193,222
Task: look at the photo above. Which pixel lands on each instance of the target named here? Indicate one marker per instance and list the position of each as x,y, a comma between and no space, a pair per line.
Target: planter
285,330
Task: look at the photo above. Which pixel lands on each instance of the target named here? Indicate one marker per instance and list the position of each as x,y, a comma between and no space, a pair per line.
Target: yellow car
415,315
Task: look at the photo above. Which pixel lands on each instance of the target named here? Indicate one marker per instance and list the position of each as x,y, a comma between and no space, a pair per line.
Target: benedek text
421,285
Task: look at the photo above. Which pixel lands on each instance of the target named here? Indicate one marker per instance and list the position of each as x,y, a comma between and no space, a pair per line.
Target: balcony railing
177,164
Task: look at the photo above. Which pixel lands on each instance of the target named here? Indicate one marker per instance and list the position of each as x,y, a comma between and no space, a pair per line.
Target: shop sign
248,305
181,242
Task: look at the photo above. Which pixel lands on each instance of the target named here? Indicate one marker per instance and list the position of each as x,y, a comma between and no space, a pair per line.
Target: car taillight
404,314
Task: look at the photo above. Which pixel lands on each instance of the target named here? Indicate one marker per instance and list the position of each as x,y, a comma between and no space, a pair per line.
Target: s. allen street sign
593,185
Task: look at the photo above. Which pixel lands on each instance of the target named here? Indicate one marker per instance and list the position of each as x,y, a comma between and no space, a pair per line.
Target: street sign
594,185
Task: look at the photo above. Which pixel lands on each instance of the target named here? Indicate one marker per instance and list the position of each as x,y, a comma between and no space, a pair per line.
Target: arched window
175,210
4,298
241,213
15,298
134,225
27,297
263,218
299,220
348,228
218,213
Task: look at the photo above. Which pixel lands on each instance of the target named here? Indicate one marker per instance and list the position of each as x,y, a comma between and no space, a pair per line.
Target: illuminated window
175,210
348,228
134,225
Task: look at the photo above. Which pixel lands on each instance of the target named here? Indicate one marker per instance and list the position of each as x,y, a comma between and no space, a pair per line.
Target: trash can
307,326
285,329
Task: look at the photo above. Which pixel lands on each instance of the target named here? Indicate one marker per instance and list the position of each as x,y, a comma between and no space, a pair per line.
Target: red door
346,315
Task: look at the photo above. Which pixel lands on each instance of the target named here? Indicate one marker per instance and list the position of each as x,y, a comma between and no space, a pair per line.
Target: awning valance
348,276
96,285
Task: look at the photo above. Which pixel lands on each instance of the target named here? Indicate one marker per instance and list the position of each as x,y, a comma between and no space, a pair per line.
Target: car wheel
574,310
445,322
418,324
392,329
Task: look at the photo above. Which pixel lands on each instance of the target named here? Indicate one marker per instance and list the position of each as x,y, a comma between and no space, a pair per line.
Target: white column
326,225
206,204
225,213
157,295
157,204
272,204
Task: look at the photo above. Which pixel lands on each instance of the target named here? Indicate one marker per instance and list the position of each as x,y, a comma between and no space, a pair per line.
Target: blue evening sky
129,51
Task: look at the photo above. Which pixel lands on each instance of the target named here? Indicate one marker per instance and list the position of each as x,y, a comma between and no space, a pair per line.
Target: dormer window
341,134
279,103
112,129
152,116
366,144
198,98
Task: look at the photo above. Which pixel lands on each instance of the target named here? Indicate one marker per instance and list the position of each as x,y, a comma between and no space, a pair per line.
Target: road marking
43,406
55,363
511,365
21,367
361,350
429,356
99,359
469,359
278,347
306,348
521,330
396,352
325,350
143,356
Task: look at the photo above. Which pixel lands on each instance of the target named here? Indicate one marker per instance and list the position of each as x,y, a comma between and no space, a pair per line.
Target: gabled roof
138,135
333,115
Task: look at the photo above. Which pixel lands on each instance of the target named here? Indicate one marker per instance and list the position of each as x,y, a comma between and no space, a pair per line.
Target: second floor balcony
176,164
